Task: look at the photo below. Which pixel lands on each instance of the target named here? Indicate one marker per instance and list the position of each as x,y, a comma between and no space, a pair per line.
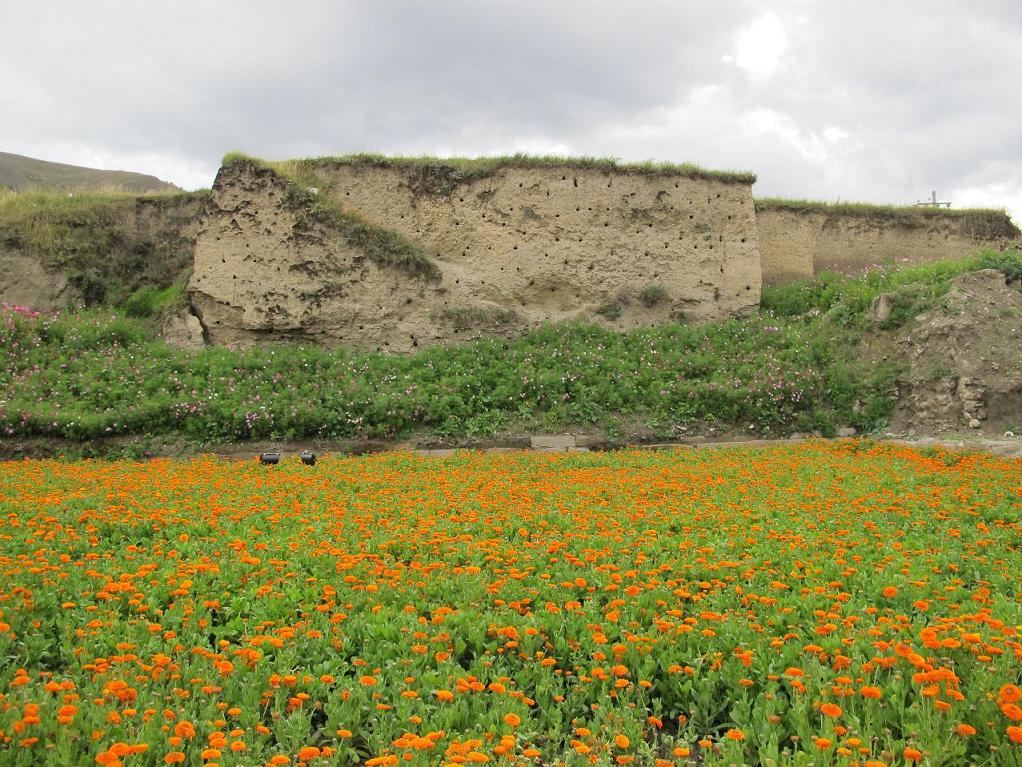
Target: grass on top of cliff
466,169
991,222
56,225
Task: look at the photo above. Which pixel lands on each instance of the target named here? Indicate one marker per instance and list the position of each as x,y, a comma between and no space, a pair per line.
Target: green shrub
147,300
653,295
610,310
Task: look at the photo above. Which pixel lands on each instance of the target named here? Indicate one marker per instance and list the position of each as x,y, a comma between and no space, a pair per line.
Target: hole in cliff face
574,182
691,216
748,287
743,239
722,268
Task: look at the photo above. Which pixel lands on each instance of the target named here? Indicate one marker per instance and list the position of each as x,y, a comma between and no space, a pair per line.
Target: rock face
512,250
965,359
796,244
183,330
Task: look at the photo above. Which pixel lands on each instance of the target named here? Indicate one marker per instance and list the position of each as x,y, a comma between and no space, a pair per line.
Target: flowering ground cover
826,604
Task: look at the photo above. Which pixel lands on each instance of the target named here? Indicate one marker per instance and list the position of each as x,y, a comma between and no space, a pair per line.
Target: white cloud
760,46
815,97
1007,195
834,134
760,123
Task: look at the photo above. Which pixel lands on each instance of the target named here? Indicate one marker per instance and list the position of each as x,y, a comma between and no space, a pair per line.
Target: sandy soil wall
795,245
512,250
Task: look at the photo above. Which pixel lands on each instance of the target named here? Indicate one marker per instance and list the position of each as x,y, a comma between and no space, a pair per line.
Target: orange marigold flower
823,743
512,720
307,753
831,709
1010,693
734,734
621,741
890,591
871,692
912,754
174,757
965,729
1012,710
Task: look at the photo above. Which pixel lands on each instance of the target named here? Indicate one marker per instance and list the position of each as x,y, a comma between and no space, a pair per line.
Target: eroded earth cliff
377,255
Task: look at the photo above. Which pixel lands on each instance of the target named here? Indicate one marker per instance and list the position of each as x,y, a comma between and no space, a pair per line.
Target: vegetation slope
86,375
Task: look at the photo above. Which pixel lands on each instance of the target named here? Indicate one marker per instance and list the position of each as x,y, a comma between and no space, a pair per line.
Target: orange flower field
848,603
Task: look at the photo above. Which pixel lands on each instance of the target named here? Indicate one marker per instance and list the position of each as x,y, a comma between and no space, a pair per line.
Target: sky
830,100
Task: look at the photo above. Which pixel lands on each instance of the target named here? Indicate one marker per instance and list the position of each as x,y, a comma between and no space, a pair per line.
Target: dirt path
551,443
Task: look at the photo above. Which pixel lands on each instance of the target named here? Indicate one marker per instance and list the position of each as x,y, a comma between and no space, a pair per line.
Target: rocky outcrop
964,359
501,253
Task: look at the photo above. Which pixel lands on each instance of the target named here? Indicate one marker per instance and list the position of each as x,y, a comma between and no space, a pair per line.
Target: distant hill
21,173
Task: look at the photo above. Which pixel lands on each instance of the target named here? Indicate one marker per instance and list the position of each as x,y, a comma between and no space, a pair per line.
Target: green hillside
27,173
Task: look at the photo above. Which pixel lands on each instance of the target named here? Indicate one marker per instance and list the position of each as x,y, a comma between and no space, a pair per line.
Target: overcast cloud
866,100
